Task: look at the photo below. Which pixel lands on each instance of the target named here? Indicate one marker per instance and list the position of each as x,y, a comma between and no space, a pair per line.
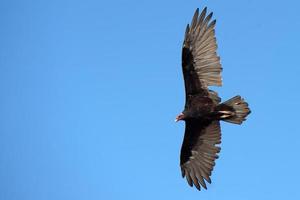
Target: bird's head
179,117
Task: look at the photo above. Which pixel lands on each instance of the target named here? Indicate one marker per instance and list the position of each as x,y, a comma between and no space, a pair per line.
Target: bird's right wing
199,151
200,62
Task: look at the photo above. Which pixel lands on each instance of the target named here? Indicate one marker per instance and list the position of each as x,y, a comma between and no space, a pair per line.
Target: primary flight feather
203,108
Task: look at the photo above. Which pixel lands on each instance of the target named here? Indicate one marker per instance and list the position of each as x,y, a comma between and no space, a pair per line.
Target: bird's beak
179,117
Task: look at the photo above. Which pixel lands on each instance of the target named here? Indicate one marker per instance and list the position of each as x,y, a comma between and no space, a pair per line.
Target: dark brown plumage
203,110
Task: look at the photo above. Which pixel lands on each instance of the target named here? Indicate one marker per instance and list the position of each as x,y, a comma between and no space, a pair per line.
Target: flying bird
203,108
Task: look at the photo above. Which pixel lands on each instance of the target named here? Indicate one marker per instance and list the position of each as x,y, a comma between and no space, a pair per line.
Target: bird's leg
225,114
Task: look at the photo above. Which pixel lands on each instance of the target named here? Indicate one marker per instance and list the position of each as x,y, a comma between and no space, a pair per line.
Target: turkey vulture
203,108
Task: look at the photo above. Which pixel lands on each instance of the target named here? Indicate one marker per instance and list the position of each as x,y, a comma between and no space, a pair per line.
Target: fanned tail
234,110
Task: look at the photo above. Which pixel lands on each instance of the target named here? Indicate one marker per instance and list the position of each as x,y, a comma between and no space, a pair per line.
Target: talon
225,112
225,116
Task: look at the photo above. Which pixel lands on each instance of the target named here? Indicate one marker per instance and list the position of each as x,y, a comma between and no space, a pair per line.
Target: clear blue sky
90,89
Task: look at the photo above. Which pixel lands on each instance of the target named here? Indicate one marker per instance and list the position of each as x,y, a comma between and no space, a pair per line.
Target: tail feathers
239,108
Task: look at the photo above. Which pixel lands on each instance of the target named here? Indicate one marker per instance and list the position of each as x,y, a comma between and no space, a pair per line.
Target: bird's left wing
199,151
200,62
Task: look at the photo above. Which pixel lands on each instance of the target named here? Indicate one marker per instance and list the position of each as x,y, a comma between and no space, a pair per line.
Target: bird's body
199,107
203,108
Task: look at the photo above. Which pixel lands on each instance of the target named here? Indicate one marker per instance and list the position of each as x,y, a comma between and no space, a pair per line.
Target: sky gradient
89,91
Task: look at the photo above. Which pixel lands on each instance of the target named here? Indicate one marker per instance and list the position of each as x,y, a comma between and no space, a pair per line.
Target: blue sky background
89,91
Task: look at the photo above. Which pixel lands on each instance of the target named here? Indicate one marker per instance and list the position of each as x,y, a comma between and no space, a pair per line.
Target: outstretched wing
200,62
199,151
